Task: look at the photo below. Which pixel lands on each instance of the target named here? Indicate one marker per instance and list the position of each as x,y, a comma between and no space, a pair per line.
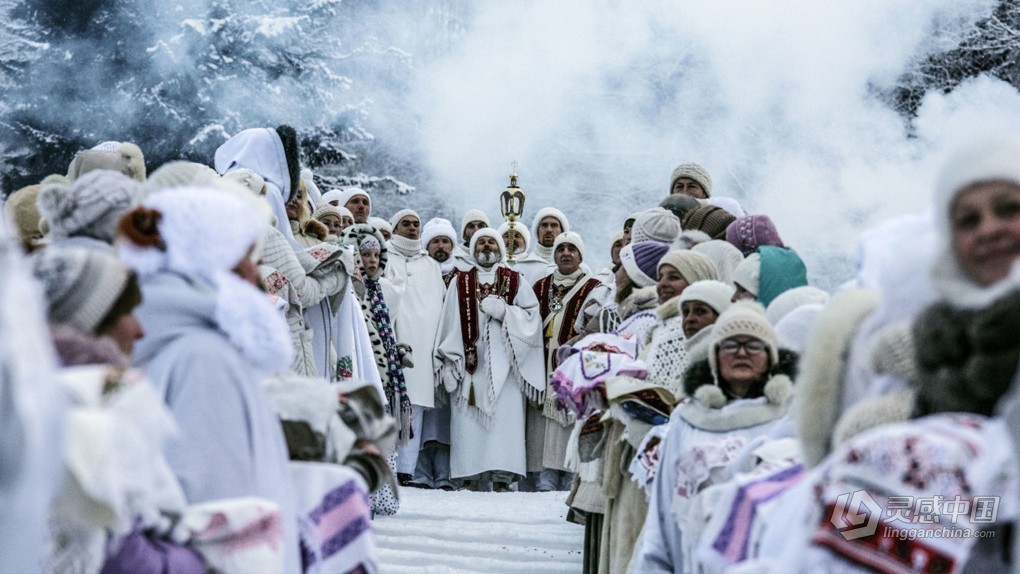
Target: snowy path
510,532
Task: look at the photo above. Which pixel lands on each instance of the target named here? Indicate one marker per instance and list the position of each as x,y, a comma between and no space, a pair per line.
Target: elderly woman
738,392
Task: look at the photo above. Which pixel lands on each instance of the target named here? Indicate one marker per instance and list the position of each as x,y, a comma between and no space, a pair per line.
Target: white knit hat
487,232
324,209
550,212
742,318
655,224
723,254
791,299
437,227
380,224
469,216
91,206
729,204
748,273
342,196
571,238
519,229
692,266
402,214
715,294
695,172
81,285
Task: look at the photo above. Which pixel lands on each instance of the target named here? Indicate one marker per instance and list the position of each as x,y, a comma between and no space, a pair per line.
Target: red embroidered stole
572,309
469,294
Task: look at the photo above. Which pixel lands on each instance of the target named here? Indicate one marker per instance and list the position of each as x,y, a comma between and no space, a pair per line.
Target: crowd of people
230,369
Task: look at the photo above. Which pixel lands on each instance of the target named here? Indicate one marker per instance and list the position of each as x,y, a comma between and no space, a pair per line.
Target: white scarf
561,279
546,253
404,246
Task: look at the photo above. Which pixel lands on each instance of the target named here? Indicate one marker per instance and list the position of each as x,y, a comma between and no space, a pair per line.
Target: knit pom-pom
778,389
711,396
56,201
140,227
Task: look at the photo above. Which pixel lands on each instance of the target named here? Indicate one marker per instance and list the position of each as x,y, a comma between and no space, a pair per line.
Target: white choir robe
490,435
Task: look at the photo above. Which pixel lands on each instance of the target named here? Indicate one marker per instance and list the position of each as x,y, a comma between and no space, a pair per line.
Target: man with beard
568,298
416,319
438,237
549,222
473,220
489,357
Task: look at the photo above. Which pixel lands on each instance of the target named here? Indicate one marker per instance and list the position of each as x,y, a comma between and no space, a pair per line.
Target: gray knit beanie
81,285
90,207
656,224
695,172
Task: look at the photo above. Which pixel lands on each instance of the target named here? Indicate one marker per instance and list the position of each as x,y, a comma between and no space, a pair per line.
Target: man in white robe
548,224
489,357
568,299
416,322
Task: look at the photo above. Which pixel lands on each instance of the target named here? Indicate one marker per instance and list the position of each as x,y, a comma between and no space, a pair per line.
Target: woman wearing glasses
740,391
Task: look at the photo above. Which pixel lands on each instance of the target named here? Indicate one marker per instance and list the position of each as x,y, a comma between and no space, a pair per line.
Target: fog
598,101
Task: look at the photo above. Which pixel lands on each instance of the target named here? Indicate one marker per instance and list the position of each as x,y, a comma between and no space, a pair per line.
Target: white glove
494,307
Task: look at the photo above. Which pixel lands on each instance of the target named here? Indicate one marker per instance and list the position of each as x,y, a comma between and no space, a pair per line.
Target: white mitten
494,307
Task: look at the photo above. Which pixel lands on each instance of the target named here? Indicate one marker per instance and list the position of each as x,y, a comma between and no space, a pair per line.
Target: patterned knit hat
693,266
742,318
91,206
641,261
715,294
748,273
571,238
81,285
695,172
751,232
710,219
656,224
325,209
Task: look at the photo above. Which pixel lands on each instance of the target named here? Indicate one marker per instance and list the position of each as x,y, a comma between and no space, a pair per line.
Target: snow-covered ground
437,531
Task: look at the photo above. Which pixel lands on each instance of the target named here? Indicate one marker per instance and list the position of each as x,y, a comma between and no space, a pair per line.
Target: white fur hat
205,230
742,318
437,227
748,273
791,299
715,294
402,214
550,212
487,232
571,238
519,229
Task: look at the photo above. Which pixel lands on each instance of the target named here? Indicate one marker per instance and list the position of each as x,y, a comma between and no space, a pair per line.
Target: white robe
416,318
490,435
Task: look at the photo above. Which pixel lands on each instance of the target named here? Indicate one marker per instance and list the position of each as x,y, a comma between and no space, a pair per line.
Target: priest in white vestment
489,356
416,322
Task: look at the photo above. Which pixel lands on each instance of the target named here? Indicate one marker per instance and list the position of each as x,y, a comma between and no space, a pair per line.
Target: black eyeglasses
752,347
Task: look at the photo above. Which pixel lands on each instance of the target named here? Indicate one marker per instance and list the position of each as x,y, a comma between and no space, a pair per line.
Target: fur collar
824,369
710,411
642,299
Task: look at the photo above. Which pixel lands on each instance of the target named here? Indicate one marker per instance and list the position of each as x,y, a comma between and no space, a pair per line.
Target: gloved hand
494,307
404,354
